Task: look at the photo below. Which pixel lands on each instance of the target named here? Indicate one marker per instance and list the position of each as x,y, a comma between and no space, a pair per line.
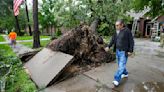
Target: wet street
146,73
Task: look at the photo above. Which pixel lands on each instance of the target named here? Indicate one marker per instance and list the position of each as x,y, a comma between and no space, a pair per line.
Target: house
144,27
157,23
149,27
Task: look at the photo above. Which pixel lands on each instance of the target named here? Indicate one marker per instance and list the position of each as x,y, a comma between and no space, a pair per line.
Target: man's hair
121,21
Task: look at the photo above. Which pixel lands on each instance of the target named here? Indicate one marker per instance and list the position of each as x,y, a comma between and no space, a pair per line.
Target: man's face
119,26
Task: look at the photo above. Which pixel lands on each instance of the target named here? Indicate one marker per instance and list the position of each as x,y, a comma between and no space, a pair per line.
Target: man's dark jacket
123,41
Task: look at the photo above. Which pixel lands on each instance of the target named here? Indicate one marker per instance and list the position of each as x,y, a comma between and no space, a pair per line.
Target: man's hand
130,53
107,49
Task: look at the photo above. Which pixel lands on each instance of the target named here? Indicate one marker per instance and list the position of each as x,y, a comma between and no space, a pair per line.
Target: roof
153,20
156,19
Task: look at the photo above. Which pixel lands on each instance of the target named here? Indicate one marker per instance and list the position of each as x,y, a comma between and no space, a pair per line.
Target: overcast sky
29,2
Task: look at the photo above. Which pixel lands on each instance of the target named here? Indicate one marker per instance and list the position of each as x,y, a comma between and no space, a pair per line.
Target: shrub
16,79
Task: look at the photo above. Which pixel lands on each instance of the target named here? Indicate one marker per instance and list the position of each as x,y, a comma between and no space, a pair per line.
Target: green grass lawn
30,37
2,39
17,80
30,44
44,43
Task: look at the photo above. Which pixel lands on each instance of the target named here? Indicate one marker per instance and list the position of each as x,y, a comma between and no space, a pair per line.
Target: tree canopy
7,19
156,6
69,13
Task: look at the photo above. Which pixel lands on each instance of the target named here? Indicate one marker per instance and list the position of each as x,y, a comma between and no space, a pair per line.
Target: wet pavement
146,73
149,87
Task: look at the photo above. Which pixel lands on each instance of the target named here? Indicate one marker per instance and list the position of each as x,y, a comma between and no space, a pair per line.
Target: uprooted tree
84,44
86,47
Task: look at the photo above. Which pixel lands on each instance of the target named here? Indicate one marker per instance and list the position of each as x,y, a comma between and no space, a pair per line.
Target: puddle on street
149,87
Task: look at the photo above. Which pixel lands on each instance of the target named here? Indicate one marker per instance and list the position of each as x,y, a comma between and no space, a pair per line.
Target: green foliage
138,34
48,14
69,13
104,29
7,22
6,7
2,39
106,39
22,19
7,19
16,80
58,33
157,6
20,83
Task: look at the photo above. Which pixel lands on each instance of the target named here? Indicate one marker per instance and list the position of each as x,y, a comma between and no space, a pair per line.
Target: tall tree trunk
51,30
36,38
94,25
17,25
47,30
30,32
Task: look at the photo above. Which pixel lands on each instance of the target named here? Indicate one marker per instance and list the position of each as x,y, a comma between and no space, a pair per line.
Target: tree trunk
94,25
30,32
51,30
36,38
17,25
47,30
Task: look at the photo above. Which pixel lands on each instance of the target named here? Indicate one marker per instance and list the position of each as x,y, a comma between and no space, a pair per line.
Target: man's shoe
124,76
115,83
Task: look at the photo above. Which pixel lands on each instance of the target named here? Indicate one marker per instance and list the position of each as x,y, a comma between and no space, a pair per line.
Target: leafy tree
49,14
7,19
69,13
6,7
156,6
6,15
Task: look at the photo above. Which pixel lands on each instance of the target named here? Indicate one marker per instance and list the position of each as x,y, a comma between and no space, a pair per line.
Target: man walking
123,44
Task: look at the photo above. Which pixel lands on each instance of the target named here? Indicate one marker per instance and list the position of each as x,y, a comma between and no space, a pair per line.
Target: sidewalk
146,74
19,49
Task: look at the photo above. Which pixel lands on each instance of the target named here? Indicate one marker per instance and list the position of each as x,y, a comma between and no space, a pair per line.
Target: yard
30,37
16,80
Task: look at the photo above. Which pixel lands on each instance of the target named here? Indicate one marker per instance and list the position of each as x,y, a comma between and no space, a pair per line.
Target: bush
103,29
21,33
138,34
16,79
58,33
